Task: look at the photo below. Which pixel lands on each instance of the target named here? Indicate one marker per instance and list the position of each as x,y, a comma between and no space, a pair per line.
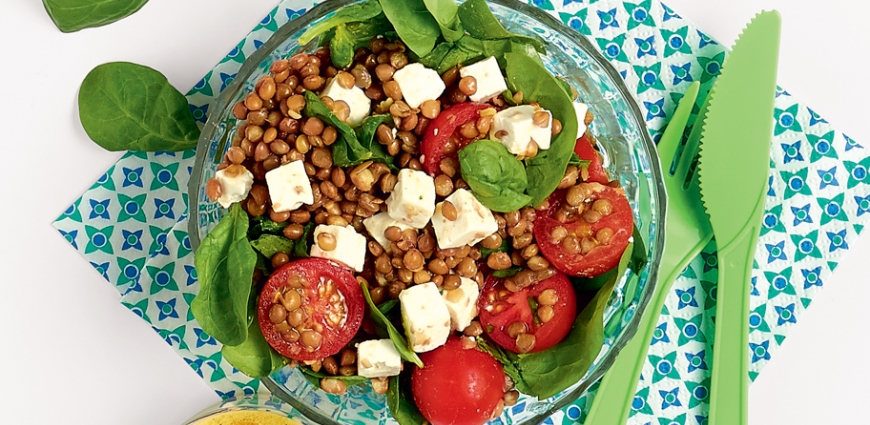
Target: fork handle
729,386
612,403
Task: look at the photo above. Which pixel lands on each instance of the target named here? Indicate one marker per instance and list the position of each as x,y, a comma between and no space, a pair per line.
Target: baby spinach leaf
254,357
508,272
349,37
417,28
465,51
396,337
480,23
496,177
263,224
341,47
124,106
435,57
485,252
300,246
445,12
385,307
315,377
576,161
355,13
225,265
507,359
401,402
551,371
366,137
528,75
269,245
74,15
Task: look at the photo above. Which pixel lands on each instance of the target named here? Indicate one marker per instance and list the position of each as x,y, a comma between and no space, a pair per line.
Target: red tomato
457,386
586,151
499,308
604,256
319,304
442,127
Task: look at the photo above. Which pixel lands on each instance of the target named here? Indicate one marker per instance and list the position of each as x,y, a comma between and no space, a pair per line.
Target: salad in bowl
413,205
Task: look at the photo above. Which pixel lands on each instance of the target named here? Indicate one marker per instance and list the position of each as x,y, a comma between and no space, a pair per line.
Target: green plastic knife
733,170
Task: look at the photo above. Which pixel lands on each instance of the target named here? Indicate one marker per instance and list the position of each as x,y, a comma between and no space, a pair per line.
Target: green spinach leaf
553,370
485,252
480,23
445,12
315,377
507,359
74,15
386,306
401,402
351,147
435,57
300,246
417,28
263,224
528,75
124,106
396,337
356,13
225,265
576,161
508,272
269,245
496,177
254,357
349,37
366,138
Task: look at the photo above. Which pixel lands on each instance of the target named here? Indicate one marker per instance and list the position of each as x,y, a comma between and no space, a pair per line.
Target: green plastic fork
687,232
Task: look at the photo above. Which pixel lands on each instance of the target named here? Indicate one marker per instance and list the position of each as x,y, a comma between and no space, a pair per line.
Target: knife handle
729,387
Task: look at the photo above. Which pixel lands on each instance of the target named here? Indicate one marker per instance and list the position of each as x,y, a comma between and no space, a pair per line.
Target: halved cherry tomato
457,386
500,308
442,127
586,151
607,246
310,309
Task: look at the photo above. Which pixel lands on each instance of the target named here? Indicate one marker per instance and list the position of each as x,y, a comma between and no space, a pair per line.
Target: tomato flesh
329,301
442,127
499,308
457,386
602,257
587,152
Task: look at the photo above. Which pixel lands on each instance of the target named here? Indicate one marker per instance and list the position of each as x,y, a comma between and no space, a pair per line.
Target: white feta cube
514,127
377,224
355,98
413,199
490,82
350,246
580,109
473,223
419,84
462,303
426,319
289,187
378,358
236,182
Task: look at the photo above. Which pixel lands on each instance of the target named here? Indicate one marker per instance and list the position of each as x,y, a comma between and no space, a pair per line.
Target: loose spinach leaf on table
548,372
417,28
401,402
225,265
254,357
480,23
496,177
356,13
528,75
445,13
124,106
74,15
269,245
396,337
347,38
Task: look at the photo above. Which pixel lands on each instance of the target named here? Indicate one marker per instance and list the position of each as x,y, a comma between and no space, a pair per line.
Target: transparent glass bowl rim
212,126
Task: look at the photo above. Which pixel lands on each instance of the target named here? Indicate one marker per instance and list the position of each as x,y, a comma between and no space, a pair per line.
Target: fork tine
690,150
673,135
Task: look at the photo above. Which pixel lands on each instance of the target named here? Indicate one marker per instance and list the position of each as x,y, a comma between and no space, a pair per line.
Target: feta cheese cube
580,109
462,303
419,84
473,223
413,199
490,82
350,246
355,98
289,187
514,127
377,224
378,358
425,316
236,182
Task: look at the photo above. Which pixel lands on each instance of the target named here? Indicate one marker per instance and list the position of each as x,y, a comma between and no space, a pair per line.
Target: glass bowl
630,157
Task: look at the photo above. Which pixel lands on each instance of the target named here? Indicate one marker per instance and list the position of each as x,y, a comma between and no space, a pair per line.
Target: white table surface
71,354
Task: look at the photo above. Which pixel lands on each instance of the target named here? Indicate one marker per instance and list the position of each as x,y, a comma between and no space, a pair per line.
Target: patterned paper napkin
132,224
